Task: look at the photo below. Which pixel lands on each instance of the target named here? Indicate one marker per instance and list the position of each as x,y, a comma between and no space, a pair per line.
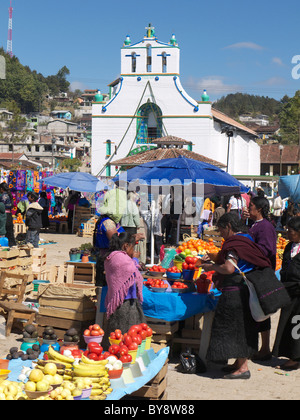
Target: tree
72,165
290,120
15,132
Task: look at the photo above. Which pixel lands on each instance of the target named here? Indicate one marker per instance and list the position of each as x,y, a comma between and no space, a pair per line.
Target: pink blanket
121,273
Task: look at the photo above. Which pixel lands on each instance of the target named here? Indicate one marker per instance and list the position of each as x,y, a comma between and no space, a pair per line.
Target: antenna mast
9,35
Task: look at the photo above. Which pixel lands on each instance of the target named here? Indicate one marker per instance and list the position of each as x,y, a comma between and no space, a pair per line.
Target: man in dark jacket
33,220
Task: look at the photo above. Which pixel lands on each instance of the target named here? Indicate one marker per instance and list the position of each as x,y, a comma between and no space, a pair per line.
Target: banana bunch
86,361
60,358
92,371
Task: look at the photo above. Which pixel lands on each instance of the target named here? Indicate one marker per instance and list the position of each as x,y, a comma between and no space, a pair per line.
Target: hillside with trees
24,89
238,104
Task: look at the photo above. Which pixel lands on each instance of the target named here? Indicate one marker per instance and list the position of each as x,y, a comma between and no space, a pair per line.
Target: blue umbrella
184,171
289,186
76,181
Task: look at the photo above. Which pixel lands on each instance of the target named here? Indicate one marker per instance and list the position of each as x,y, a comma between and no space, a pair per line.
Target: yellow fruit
36,375
30,386
50,369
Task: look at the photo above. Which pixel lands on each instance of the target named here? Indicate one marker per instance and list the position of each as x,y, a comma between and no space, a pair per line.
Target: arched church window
149,58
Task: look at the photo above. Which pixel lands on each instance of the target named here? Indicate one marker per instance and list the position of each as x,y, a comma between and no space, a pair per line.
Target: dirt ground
266,382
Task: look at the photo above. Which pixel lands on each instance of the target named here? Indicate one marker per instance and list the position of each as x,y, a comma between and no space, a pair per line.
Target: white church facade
148,101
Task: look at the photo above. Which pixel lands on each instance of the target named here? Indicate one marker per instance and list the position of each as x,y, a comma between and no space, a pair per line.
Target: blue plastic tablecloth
157,362
173,306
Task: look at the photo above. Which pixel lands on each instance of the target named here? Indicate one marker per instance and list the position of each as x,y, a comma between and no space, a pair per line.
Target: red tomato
137,339
132,330
126,358
95,333
149,332
189,260
96,327
106,354
92,345
123,350
143,334
127,340
191,266
87,333
129,357
76,354
133,346
118,334
185,266
101,357
144,326
98,350
93,356
114,349
112,335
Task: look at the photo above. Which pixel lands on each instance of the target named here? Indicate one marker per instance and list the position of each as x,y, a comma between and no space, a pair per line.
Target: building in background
148,101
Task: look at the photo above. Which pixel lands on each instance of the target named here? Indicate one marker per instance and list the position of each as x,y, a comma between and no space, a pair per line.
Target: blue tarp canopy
183,171
289,186
76,181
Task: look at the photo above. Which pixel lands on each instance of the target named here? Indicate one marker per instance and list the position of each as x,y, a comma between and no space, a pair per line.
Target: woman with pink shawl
124,297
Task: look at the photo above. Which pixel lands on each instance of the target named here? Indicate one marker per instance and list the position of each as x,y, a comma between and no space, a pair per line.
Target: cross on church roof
150,31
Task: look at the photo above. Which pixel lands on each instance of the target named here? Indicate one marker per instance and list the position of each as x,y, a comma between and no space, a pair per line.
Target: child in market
33,220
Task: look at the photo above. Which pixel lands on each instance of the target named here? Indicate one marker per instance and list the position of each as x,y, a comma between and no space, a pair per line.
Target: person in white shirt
277,211
236,204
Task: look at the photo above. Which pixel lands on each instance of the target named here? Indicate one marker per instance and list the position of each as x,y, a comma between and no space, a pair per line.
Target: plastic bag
191,363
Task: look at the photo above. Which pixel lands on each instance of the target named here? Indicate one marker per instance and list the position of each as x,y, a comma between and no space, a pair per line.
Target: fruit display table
138,374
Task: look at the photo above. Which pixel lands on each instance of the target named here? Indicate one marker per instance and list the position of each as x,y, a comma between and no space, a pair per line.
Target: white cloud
278,61
273,81
213,84
244,45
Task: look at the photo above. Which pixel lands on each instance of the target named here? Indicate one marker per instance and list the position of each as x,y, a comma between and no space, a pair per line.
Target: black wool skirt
128,314
234,332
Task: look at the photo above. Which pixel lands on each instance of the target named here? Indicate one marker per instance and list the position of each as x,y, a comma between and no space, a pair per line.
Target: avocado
49,330
15,355
25,357
9,356
26,334
29,351
30,328
75,338
36,347
67,338
72,332
32,356
53,337
13,350
34,334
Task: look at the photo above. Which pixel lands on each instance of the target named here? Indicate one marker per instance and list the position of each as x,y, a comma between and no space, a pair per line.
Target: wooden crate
214,235
67,301
19,228
87,231
39,256
163,332
154,389
81,215
84,272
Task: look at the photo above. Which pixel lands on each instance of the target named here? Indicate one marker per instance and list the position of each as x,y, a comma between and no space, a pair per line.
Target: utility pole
9,35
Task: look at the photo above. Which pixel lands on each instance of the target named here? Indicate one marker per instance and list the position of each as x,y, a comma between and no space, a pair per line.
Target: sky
225,47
